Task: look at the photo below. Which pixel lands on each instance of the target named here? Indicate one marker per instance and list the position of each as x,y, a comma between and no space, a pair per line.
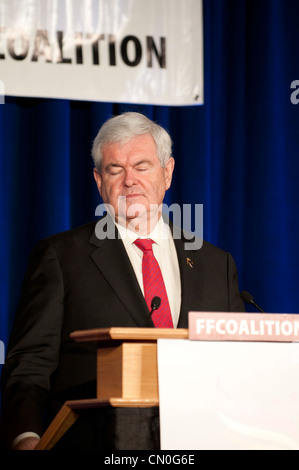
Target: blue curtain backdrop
238,155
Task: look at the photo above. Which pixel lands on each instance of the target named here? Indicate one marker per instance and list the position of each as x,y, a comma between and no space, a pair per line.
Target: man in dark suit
91,277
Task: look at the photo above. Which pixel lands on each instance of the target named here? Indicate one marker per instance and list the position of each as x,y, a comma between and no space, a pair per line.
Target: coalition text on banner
18,47
217,326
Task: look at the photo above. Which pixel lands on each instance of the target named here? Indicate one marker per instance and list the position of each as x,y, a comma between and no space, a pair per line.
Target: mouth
131,196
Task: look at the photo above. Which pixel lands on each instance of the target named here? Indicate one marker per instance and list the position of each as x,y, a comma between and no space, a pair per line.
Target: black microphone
155,304
246,297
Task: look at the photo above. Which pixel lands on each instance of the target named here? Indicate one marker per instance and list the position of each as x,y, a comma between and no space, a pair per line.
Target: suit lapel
192,278
111,258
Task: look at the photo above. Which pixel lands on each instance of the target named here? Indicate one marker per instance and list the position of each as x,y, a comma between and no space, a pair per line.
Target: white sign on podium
223,395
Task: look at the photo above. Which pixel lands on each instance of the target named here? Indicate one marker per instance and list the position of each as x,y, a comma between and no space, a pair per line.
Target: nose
129,179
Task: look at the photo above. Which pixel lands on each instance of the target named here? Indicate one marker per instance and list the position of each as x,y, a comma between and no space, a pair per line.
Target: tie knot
144,244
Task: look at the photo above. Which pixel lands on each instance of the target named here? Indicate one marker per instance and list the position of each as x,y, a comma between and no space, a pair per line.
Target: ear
98,179
168,171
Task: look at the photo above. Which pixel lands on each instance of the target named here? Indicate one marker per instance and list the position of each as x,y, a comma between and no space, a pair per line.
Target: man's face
132,180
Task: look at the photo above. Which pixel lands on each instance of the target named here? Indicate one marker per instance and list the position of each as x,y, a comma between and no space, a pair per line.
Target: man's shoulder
82,232
193,243
213,249
68,240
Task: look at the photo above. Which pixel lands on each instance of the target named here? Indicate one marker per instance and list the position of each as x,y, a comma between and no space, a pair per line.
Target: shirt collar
161,234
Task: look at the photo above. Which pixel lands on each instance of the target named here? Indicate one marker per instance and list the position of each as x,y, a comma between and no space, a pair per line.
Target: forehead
140,146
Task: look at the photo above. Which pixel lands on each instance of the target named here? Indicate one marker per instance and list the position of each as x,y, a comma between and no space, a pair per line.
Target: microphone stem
257,306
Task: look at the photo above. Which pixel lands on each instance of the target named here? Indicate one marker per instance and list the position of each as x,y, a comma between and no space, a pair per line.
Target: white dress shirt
166,255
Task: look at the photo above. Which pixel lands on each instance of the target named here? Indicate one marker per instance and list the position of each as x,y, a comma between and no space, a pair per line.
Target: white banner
131,51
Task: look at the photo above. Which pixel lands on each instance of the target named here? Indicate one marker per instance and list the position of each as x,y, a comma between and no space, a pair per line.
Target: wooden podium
127,374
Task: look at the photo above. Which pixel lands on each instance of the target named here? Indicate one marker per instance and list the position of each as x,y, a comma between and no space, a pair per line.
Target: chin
136,208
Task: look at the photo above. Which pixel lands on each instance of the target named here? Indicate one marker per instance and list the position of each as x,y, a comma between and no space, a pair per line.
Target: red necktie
153,285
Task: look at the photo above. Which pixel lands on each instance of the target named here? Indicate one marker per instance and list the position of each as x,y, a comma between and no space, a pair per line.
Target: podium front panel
228,395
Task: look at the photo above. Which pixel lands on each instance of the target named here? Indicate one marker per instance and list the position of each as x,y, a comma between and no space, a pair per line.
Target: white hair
126,126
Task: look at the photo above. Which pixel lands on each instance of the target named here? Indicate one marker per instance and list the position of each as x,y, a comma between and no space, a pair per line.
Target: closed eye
143,166
141,169
114,169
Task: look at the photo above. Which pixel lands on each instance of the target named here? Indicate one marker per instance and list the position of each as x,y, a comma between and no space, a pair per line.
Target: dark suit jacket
74,282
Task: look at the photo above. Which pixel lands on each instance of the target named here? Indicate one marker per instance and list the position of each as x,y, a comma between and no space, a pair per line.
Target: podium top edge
132,334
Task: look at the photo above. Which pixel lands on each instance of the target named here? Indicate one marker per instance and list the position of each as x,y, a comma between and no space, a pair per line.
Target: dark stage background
238,154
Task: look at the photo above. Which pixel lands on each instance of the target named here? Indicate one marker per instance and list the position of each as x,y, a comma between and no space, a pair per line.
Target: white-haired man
91,278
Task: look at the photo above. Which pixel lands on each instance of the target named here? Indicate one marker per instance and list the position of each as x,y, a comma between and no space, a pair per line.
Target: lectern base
70,412
127,373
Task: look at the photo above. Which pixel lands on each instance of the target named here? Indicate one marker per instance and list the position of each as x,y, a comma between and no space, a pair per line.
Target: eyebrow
118,165
112,165
141,162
